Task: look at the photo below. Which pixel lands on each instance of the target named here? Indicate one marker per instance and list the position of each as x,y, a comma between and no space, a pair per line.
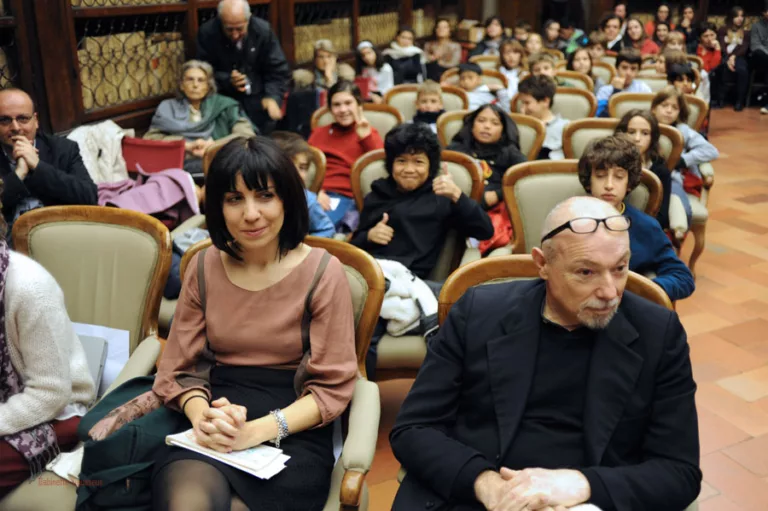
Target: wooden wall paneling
356,36
22,41
190,29
406,12
286,10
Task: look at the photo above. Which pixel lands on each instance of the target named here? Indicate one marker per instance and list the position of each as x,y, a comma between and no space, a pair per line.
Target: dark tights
192,485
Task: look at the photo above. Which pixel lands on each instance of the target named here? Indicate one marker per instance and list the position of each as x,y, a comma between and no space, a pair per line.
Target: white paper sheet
335,203
118,350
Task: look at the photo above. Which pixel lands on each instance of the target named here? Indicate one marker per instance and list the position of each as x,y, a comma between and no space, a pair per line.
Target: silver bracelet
282,426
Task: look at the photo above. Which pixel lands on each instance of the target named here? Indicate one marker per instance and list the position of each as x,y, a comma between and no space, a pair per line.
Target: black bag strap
201,276
307,316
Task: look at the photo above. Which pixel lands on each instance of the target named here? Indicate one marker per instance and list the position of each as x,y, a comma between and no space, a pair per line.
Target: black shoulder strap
307,317
201,276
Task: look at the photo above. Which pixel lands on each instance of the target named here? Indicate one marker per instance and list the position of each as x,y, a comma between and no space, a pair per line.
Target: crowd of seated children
536,96
642,128
198,115
662,17
609,170
521,31
257,218
550,34
429,104
635,38
734,43
611,27
370,65
407,215
442,52
344,141
494,35
45,384
597,46
534,44
627,66
669,107
581,62
407,59
512,64
662,32
471,80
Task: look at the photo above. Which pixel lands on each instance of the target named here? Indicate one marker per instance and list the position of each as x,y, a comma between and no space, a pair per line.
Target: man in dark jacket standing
248,61
37,169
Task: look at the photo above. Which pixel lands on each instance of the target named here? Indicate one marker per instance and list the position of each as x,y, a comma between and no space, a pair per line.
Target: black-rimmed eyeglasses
587,225
6,120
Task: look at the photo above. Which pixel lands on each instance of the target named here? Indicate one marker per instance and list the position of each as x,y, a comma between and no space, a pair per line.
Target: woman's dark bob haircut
412,138
258,160
345,86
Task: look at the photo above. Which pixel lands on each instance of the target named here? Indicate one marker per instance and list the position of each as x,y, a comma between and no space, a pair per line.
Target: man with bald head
248,61
562,392
37,169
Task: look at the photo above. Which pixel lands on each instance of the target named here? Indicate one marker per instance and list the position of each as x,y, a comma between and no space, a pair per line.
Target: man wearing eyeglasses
565,392
37,169
249,63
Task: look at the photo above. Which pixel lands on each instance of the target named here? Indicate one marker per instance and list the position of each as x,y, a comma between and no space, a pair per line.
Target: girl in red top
709,47
344,141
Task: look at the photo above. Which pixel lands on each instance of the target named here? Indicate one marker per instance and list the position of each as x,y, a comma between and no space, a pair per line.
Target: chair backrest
555,53
648,71
366,283
532,131
578,134
521,267
153,155
466,173
621,103
533,188
316,172
656,82
609,58
486,61
490,77
212,151
403,98
111,264
579,80
381,117
571,103
696,62
604,71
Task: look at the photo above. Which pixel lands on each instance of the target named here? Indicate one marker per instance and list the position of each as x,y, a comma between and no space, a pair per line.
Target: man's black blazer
59,179
460,417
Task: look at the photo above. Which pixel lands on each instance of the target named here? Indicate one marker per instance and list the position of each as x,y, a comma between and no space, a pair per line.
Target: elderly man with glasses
562,392
37,169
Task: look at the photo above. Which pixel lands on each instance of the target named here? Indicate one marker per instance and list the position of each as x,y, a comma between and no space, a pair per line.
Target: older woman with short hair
198,115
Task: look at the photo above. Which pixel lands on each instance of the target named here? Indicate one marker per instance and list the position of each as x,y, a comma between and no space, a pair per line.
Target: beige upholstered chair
579,133
490,77
403,98
650,70
366,281
610,58
571,103
111,265
656,82
486,61
696,62
316,173
555,53
621,103
401,357
604,71
381,117
532,131
533,188
578,80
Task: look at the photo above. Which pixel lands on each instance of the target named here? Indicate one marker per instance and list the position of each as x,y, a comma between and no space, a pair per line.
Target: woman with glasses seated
198,115
610,169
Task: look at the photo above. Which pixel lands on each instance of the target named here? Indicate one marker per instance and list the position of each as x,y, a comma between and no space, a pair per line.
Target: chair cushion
359,289
167,309
700,212
527,137
310,177
450,129
581,138
325,119
405,352
104,270
693,114
602,73
625,106
405,102
571,106
382,121
49,492
656,84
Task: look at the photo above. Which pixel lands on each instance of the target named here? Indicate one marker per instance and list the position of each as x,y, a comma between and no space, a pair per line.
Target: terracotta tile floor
727,324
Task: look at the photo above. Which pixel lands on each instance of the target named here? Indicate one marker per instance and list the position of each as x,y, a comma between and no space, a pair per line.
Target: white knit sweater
44,349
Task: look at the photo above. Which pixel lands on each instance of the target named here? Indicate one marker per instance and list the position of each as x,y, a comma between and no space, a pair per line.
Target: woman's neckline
288,275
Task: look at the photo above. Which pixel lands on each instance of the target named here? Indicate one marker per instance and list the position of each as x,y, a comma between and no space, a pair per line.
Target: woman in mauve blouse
231,364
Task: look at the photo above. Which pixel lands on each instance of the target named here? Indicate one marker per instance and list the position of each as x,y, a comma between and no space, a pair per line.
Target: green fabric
117,471
223,111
